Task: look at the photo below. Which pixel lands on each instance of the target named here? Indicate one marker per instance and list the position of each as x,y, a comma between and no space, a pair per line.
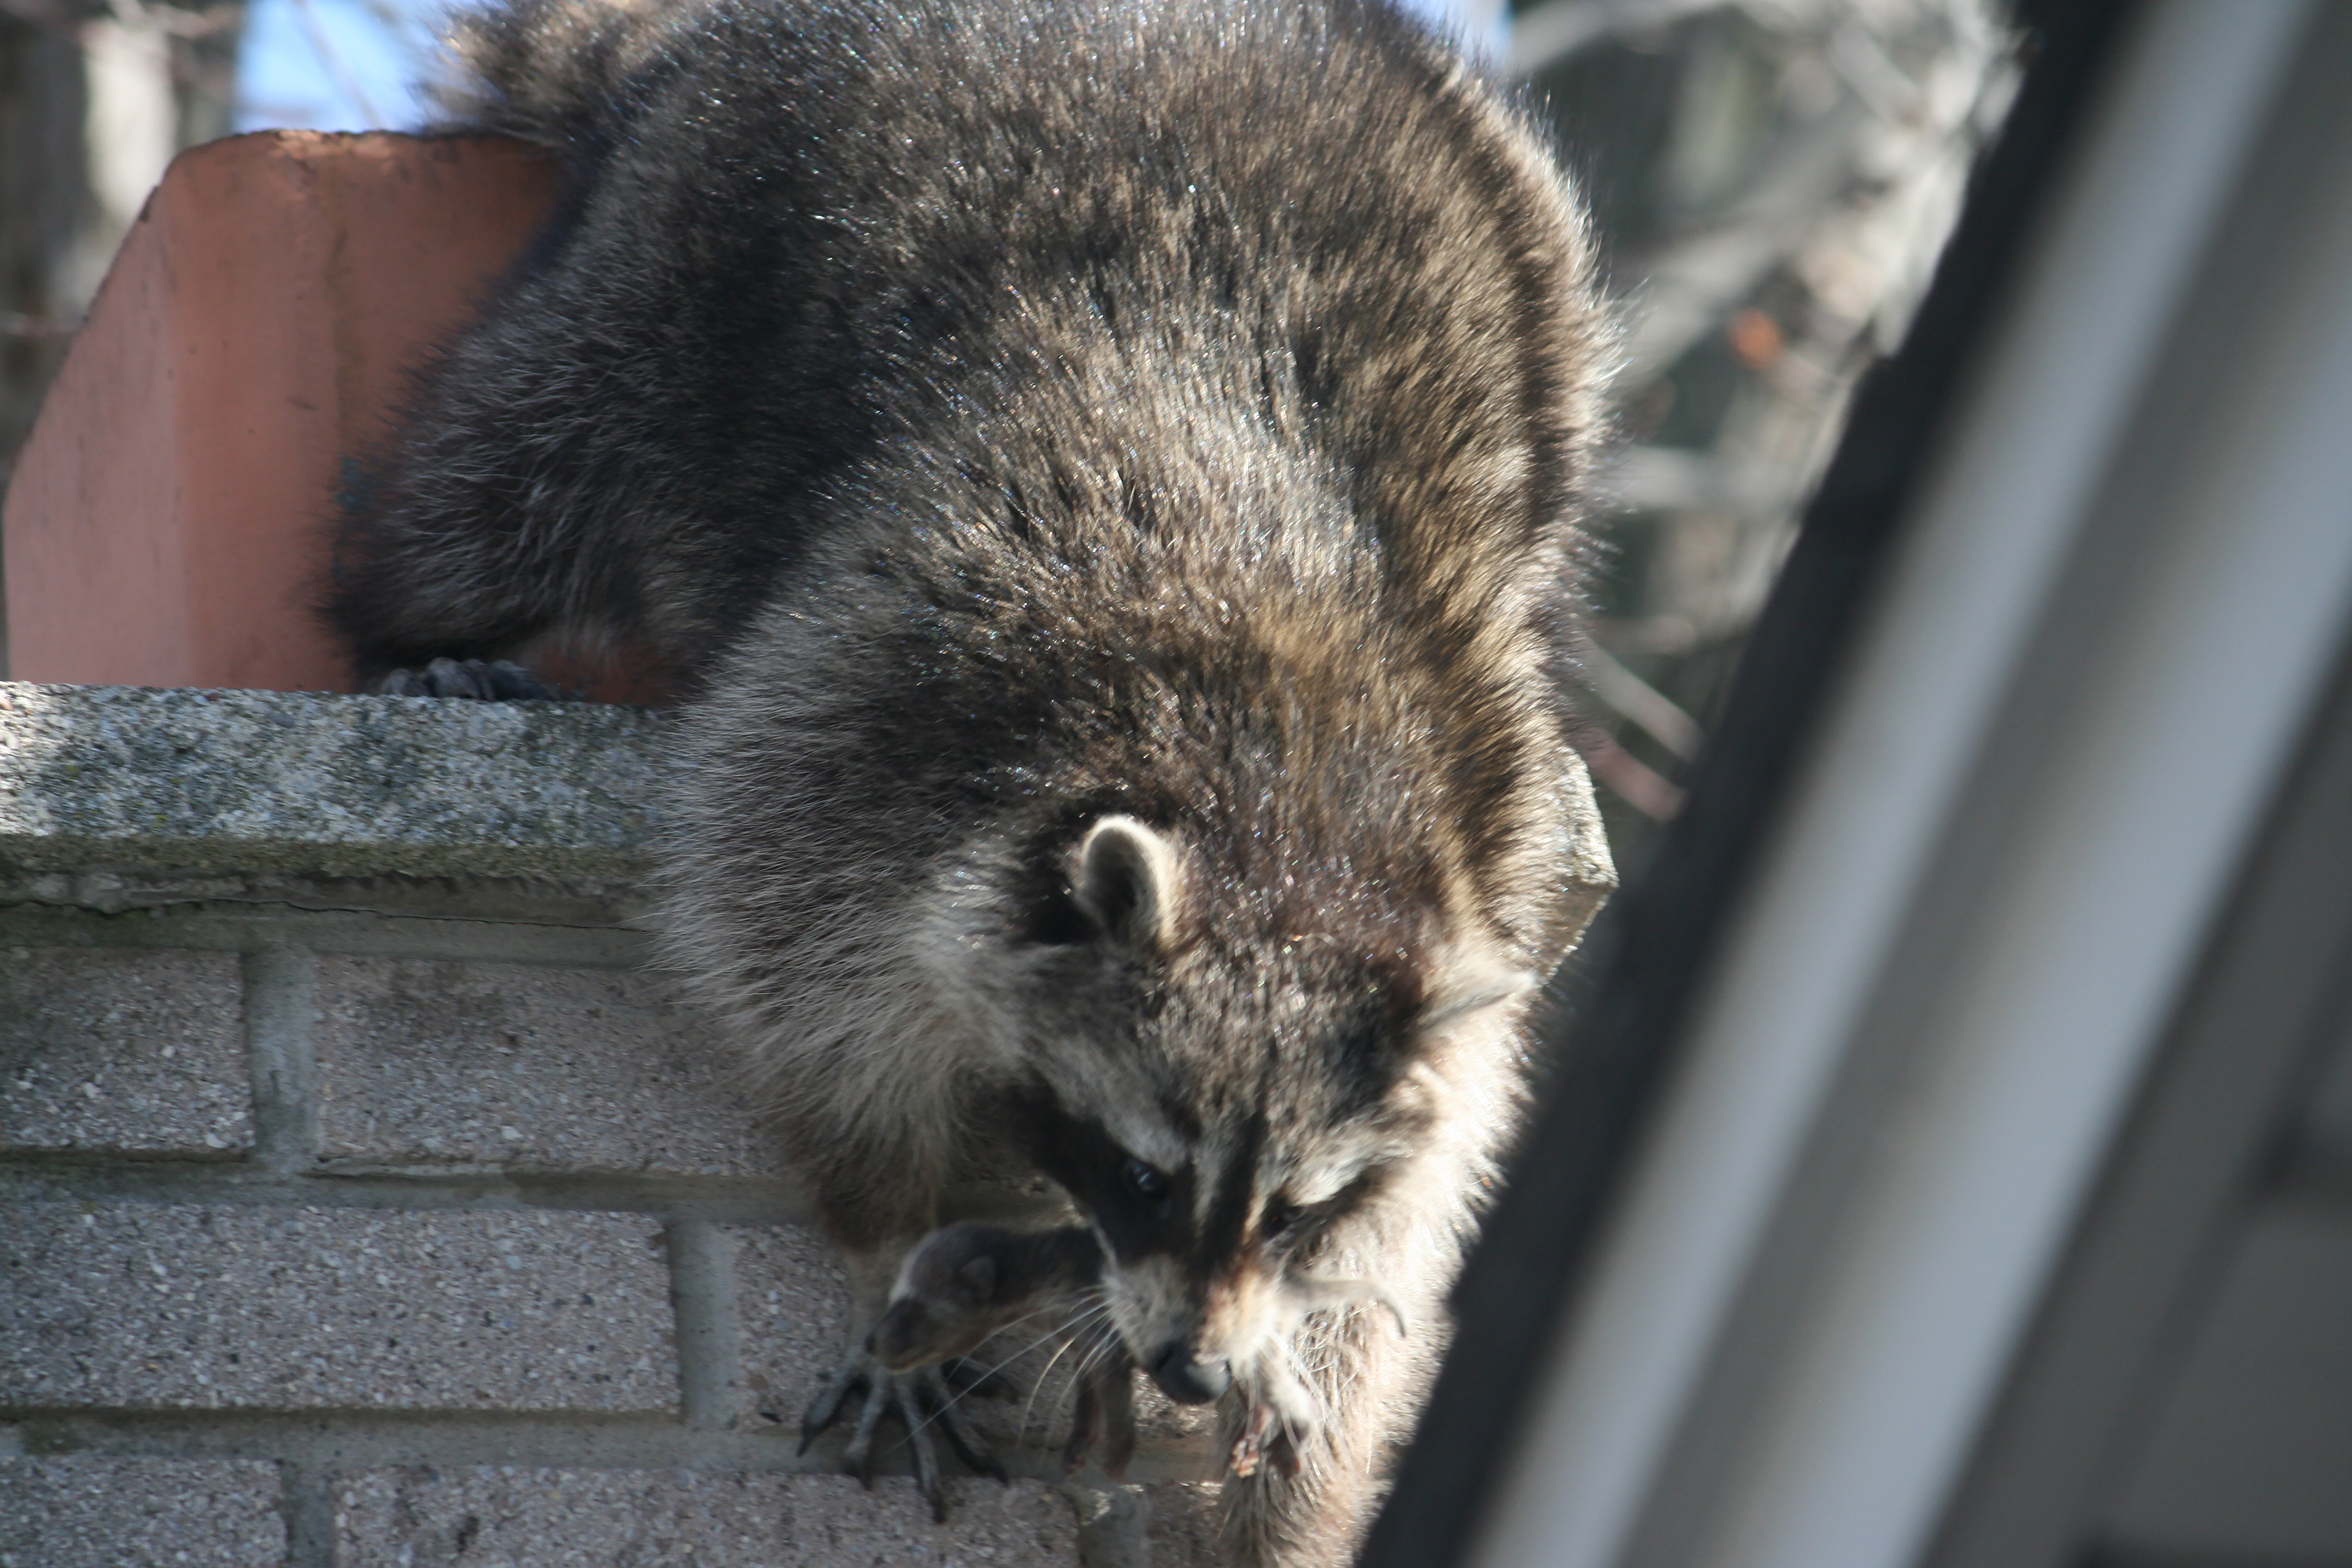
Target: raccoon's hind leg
431,589
485,680
498,513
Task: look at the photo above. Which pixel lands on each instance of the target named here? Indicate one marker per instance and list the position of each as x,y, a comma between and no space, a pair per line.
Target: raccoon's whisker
1303,1378
1099,1310
1106,1344
1106,1340
1064,1328
1314,1295
1076,1375
1011,1325
1067,1331
966,1392
1073,1333
1054,1331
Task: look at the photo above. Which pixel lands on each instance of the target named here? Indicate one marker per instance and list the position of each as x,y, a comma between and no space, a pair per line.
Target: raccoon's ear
1470,984
1128,882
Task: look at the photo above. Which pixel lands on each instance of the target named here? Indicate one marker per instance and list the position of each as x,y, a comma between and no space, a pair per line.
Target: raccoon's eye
1279,1215
1144,1180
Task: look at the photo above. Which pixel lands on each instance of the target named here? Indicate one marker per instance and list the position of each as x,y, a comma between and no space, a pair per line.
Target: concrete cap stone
323,785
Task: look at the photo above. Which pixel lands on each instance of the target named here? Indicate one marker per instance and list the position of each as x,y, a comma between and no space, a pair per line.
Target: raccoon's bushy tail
546,70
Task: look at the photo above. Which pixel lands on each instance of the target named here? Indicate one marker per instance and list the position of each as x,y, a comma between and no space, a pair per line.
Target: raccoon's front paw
919,1400
481,679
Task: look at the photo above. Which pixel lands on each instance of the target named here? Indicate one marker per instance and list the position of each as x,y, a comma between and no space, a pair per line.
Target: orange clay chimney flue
169,521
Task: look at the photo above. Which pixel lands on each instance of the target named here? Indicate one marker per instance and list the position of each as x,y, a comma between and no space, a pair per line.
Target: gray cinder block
116,1048
518,1065
559,1519
86,1511
792,1306
1183,1531
170,1305
366,994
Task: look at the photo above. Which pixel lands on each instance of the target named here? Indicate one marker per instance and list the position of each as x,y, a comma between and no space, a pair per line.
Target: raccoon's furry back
1021,420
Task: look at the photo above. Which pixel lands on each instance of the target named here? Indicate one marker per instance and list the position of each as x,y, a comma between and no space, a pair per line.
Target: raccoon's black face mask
1222,1117
1210,1246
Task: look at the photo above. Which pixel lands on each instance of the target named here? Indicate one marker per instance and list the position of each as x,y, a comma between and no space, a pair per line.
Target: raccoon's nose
1190,1381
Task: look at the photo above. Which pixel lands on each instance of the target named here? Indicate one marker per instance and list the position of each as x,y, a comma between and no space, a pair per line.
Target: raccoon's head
1223,1082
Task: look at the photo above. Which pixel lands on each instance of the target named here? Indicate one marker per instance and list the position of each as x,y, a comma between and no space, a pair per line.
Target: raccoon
1106,473
966,1284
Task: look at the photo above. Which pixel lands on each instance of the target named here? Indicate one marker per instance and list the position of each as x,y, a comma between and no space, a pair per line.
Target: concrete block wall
366,1199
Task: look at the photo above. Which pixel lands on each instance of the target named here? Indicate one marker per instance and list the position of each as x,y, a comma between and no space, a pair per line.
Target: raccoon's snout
1190,1381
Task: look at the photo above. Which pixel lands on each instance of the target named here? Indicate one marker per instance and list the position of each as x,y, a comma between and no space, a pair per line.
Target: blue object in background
1483,27
353,65
334,65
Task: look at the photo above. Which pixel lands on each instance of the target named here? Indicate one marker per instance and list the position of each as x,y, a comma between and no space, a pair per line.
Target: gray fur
1107,472
965,1284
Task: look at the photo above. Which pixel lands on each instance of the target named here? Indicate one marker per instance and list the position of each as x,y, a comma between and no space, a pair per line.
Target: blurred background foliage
1771,182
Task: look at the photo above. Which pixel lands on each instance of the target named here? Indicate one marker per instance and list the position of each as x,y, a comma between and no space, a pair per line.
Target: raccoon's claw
921,1400
826,1408
858,1457
1268,1440
483,681
1280,1420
